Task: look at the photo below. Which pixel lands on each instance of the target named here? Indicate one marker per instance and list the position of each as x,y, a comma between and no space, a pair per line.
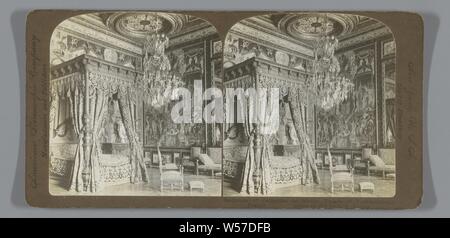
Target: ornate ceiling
302,29
132,27
137,25
312,26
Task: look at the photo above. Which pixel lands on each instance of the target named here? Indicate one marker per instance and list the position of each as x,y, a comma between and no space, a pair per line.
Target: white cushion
206,160
376,160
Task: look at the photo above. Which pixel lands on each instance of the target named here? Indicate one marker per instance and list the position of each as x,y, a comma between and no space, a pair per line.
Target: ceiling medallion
313,26
143,22
137,25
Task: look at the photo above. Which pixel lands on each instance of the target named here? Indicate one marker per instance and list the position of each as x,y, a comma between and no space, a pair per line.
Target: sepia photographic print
224,109
336,132
111,131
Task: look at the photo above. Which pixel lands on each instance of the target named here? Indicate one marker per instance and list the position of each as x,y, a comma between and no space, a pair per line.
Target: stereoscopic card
224,109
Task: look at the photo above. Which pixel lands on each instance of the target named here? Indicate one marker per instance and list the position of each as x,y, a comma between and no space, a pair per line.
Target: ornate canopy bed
81,90
249,157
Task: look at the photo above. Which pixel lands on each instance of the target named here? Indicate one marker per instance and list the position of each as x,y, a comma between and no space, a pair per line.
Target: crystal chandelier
330,86
159,80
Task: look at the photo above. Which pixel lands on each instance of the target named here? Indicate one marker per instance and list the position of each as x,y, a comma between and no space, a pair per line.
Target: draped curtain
247,184
127,101
98,105
267,130
89,166
390,115
257,173
59,110
297,108
54,108
75,95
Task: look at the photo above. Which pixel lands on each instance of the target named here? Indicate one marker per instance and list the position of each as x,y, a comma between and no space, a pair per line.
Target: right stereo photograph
333,131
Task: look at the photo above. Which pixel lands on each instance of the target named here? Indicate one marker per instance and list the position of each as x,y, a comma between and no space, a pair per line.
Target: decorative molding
354,29
94,22
268,27
269,40
366,36
66,45
192,36
84,63
280,75
72,25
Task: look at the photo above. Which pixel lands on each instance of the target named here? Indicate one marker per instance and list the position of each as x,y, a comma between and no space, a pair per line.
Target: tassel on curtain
310,172
126,100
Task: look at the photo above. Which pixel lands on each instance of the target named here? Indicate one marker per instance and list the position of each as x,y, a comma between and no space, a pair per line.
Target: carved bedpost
258,153
87,130
257,145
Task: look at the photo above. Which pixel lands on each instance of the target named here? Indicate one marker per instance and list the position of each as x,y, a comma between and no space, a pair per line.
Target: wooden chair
171,175
341,175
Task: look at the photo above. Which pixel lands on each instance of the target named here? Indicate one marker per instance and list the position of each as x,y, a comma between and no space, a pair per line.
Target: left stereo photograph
117,80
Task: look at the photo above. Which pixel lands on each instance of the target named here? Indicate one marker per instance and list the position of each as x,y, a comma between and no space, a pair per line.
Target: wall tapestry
352,123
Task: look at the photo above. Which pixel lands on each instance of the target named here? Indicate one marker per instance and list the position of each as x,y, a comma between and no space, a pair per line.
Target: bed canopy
261,169
89,83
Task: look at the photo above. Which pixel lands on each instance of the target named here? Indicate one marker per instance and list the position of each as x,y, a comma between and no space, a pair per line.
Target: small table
366,186
196,185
